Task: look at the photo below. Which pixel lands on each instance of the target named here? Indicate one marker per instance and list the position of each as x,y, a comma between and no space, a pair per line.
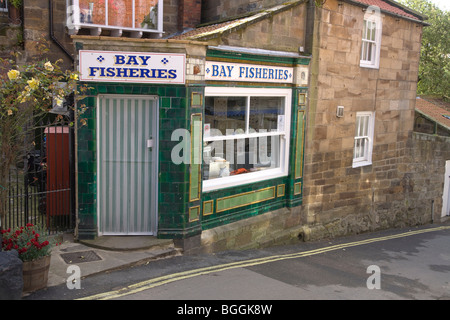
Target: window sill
240,180
361,164
96,29
369,65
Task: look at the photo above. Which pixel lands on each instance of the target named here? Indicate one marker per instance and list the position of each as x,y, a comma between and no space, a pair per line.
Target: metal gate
41,187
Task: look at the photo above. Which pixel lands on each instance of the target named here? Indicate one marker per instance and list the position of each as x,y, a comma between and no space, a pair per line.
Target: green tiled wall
173,196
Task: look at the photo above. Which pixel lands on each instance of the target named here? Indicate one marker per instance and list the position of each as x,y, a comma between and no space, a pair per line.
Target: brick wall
189,13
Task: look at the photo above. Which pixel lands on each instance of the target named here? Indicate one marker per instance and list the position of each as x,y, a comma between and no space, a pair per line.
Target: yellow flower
73,76
48,66
33,83
59,101
13,74
10,112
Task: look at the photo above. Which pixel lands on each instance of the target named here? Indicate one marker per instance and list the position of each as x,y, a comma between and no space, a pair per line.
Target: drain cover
80,257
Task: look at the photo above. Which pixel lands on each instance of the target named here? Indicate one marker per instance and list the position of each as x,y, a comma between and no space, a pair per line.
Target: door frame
155,166
446,191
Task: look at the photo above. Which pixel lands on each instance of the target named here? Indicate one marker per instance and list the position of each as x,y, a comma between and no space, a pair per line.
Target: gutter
52,33
309,28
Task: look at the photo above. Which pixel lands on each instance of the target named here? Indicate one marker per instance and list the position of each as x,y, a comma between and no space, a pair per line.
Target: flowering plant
27,94
27,241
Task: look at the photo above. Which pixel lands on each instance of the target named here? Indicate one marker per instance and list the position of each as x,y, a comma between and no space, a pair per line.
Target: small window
371,40
246,136
3,5
362,153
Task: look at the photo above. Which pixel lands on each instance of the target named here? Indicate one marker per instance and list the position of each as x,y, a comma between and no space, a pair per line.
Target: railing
133,16
40,189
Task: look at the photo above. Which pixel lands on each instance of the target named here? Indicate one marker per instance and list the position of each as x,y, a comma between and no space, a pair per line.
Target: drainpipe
52,34
309,29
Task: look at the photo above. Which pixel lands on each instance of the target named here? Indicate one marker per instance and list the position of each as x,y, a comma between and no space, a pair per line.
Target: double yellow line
159,281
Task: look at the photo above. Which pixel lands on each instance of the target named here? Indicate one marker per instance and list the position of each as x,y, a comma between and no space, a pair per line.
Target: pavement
105,254
414,263
112,253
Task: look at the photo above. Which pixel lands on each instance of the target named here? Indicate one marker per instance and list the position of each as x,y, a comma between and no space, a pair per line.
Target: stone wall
37,26
10,35
427,156
337,196
284,31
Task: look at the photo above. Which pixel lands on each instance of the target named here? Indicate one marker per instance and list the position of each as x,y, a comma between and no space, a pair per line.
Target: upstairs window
371,40
3,5
116,16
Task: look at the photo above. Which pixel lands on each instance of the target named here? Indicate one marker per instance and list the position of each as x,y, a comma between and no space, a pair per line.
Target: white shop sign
224,71
137,67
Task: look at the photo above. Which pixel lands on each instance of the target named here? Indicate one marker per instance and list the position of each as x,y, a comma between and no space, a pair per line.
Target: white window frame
372,38
252,177
362,156
5,9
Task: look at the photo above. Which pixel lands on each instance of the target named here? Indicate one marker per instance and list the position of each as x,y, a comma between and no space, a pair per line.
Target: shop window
133,16
3,5
371,40
246,135
362,153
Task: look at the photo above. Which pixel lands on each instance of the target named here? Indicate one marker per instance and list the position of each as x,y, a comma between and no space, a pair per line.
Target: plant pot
35,274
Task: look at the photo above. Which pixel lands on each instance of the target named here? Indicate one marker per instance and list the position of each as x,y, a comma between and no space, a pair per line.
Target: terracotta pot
35,274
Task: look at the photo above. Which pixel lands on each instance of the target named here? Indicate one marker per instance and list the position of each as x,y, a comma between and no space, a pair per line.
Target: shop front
182,137
254,121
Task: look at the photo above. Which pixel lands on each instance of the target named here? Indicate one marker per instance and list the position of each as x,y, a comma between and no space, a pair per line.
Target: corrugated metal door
127,165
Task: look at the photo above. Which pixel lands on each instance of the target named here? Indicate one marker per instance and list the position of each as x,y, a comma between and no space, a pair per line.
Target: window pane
120,13
373,29
240,156
225,115
361,145
365,128
3,5
266,114
357,131
146,14
362,126
363,51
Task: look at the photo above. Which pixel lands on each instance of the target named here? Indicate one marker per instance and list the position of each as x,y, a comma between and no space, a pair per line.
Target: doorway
127,150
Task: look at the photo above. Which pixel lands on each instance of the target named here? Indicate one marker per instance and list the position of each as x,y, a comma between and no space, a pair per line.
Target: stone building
299,117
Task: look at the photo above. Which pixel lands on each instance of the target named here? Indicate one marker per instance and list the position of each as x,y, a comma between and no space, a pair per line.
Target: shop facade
183,137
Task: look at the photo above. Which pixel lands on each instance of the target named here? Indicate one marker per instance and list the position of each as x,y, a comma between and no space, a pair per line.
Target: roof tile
383,5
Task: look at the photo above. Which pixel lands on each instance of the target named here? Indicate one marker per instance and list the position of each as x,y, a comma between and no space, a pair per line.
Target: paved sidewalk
105,254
